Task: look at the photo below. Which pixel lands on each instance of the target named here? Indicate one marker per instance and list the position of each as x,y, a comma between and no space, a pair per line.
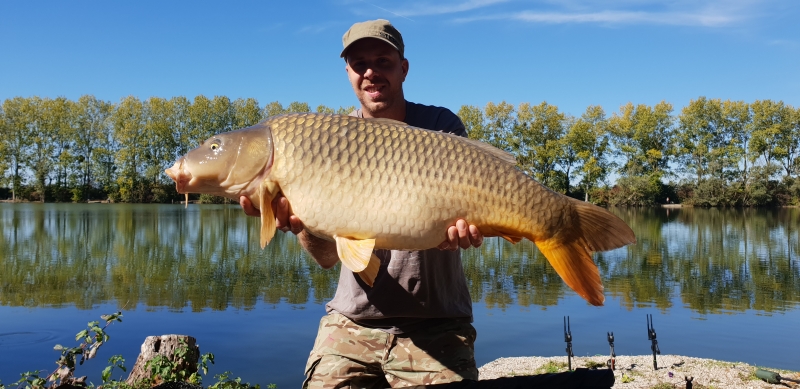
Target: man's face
376,73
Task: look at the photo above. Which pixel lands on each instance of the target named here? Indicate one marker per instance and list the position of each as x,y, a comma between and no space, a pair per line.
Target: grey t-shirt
413,288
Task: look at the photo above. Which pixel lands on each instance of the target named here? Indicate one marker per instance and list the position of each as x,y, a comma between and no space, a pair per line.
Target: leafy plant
626,378
162,368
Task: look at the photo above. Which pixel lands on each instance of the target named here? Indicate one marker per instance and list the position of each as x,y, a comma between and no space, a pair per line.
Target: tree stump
165,345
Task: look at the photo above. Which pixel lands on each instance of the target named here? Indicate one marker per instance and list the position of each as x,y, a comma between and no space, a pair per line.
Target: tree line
712,153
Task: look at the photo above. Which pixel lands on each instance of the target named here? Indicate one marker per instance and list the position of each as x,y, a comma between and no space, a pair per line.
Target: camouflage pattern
347,355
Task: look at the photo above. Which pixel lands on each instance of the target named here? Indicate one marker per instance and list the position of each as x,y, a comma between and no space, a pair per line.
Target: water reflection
207,257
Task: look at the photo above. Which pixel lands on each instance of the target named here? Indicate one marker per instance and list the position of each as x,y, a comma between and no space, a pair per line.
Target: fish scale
353,180
400,191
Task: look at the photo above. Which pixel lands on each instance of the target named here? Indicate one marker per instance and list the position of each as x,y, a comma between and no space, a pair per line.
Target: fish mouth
180,175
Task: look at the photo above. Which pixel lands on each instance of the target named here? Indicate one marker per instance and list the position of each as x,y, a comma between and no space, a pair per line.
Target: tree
273,109
770,127
642,136
221,114
201,122
158,138
587,144
537,144
474,122
92,143
738,116
59,123
246,112
500,122
298,107
129,121
182,125
42,144
17,138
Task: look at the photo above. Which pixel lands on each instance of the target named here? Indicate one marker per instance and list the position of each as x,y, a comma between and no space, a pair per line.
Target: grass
551,367
595,365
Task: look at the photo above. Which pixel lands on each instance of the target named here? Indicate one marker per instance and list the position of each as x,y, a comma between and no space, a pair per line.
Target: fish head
229,164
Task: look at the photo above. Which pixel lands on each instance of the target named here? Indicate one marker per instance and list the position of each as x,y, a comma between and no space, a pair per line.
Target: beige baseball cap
378,29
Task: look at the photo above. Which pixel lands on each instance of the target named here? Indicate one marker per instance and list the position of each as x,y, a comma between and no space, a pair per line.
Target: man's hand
462,235
284,219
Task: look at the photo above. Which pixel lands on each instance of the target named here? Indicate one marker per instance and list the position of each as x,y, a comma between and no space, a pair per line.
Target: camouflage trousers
347,355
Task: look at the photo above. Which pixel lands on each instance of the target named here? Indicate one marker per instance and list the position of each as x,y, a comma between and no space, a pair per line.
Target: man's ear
405,68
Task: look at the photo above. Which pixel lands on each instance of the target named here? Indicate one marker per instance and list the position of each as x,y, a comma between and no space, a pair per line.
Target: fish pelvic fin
570,252
511,238
371,271
268,225
357,256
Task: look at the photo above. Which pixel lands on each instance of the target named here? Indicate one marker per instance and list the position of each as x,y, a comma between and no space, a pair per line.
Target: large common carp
378,183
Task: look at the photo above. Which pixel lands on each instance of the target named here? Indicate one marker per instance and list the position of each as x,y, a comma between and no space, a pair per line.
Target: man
413,326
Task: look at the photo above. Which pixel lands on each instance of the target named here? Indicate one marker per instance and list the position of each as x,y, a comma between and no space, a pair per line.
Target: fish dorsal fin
390,122
267,217
502,155
357,256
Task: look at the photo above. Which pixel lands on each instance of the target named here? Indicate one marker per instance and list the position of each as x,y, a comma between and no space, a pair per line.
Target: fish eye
215,144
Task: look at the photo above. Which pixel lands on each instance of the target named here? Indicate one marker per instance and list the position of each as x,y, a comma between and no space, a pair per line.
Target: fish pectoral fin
371,271
267,217
354,253
573,262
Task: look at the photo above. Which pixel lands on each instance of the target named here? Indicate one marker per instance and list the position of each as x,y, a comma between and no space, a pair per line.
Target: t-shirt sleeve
434,118
450,122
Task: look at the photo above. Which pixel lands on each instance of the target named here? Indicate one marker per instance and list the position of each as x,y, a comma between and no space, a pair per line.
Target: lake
719,283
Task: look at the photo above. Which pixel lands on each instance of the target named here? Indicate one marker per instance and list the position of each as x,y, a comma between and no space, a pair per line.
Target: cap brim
370,37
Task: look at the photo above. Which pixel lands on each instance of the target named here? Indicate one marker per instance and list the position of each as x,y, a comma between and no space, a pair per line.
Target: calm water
721,284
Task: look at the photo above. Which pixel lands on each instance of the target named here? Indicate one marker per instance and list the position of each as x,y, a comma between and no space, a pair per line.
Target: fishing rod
613,361
651,336
568,339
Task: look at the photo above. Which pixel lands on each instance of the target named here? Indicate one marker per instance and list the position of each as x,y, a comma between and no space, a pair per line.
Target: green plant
224,383
115,361
595,365
552,367
162,368
626,378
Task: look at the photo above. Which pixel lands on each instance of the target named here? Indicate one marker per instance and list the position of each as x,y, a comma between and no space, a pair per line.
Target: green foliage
722,153
595,365
223,382
626,378
173,368
552,367
162,368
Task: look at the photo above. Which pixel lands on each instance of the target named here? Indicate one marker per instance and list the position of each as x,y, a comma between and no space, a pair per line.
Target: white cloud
441,8
708,13
626,17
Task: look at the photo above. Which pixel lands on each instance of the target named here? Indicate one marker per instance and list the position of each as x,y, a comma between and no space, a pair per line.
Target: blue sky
572,53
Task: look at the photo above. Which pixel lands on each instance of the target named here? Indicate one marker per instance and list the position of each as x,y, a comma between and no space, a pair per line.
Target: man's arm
323,251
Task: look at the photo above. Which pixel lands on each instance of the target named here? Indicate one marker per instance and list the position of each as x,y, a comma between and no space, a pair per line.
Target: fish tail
570,251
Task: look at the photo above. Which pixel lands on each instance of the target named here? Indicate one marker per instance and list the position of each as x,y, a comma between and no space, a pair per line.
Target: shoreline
636,371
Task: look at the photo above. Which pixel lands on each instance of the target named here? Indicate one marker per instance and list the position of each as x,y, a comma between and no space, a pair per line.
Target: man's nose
369,73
